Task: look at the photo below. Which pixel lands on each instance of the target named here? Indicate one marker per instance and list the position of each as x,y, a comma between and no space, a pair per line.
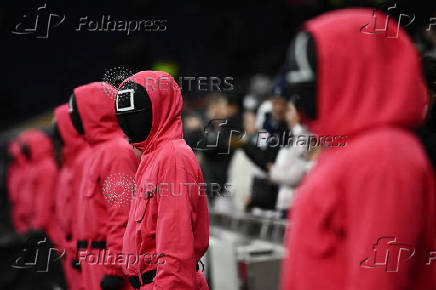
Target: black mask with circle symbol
134,111
301,74
74,114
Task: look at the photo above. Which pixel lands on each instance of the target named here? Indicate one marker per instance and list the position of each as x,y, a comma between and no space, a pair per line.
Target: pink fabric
42,174
380,184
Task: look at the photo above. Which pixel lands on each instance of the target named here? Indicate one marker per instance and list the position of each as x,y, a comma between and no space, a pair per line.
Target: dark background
204,38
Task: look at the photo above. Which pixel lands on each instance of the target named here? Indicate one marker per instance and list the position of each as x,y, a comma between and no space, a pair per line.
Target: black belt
147,278
94,244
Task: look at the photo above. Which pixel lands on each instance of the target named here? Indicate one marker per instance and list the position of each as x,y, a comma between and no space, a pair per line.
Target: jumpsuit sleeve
117,188
174,232
389,203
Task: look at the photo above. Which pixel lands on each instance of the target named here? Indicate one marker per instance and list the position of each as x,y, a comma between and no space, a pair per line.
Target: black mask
56,135
26,151
134,111
301,74
74,114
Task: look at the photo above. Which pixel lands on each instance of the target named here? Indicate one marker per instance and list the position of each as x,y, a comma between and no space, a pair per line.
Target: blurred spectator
270,122
192,128
293,161
429,37
223,124
240,172
259,88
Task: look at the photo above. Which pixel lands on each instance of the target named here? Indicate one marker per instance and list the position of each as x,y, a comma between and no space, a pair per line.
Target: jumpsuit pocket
89,186
140,208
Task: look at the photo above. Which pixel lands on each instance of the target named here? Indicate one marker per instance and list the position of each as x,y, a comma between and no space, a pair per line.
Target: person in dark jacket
262,148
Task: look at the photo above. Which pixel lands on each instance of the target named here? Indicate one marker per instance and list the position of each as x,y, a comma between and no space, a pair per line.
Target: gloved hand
111,282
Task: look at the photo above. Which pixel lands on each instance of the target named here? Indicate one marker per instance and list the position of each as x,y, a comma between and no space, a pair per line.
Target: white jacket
289,168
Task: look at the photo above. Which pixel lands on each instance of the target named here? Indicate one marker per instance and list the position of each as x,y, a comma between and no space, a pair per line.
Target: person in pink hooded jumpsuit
364,217
16,183
42,175
105,190
74,150
168,228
